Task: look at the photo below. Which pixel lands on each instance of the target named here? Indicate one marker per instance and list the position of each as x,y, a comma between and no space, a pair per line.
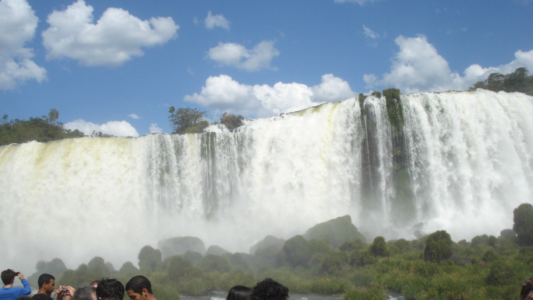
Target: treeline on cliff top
332,258
192,120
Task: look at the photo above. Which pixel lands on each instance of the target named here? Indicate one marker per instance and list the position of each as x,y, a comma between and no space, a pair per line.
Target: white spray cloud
419,67
212,21
225,94
236,55
17,26
114,39
155,129
115,128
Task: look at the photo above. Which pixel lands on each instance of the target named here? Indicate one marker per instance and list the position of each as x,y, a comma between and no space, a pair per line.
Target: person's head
138,288
85,293
269,289
239,292
110,289
527,290
8,276
47,283
95,283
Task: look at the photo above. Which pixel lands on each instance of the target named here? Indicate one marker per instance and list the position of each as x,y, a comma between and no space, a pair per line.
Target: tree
523,224
231,121
149,258
438,247
297,251
184,118
379,247
53,115
4,119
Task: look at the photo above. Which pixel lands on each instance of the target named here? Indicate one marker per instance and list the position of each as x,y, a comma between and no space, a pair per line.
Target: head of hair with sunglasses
527,290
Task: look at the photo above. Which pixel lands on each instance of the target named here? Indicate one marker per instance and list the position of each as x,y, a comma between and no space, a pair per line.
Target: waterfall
460,161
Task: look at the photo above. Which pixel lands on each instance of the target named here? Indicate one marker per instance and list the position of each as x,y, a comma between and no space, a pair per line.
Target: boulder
336,231
180,245
267,242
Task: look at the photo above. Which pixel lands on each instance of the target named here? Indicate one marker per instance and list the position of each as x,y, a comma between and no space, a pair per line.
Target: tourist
95,283
527,290
47,284
269,289
139,288
110,289
85,293
8,292
239,292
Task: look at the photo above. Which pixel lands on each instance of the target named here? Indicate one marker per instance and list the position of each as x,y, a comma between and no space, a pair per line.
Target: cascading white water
469,162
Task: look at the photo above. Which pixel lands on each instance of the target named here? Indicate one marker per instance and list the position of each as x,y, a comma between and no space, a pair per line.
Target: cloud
17,26
332,89
212,21
370,33
155,129
222,93
360,2
116,128
134,116
418,67
235,55
114,39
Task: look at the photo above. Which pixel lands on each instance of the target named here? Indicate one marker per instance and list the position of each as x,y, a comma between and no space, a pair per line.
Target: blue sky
116,65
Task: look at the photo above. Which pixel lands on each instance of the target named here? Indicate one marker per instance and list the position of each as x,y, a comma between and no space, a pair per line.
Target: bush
334,262
379,247
371,293
363,258
523,224
438,247
217,263
149,258
231,121
501,273
179,269
297,251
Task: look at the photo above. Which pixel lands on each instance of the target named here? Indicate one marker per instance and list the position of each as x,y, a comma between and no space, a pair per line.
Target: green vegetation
518,81
43,129
231,121
336,231
187,120
523,224
432,267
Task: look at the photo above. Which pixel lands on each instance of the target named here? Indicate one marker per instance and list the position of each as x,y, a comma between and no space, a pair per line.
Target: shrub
438,247
231,121
217,263
149,258
379,247
489,256
501,273
180,268
363,258
523,224
297,251
334,263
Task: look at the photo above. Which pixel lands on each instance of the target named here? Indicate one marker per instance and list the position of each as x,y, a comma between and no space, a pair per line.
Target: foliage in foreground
432,267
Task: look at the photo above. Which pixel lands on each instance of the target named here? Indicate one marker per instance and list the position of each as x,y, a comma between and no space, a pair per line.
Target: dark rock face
336,231
268,241
216,250
180,245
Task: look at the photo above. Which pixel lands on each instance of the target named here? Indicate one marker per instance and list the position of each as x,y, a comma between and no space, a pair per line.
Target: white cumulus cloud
114,39
418,67
115,128
212,21
134,116
236,55
222,93
17,26
155,129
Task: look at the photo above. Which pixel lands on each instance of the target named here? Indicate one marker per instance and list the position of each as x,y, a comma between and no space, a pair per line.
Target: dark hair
84,293
239,292
138,283
23,298
527,288
110,288
8,276
44,278
269,289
